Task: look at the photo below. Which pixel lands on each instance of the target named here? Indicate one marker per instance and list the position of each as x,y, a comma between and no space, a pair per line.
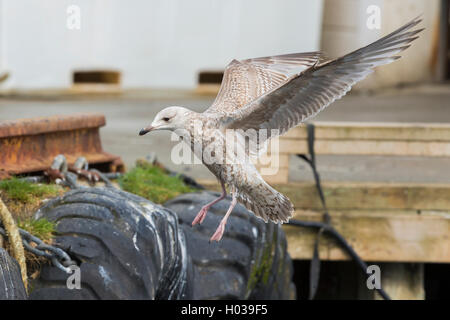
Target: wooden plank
391,236
383,222
371,197
267,159
280,160
390,131
368,147
273,170
281,176
365,195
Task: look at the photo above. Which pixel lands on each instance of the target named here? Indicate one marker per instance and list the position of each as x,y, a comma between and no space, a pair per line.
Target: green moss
26,192
153,183
261,270
42,228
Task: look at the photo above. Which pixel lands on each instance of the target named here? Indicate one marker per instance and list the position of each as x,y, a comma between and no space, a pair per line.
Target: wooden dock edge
383,222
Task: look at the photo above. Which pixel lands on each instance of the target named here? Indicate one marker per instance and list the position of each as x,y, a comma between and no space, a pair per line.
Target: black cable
324,226
342,242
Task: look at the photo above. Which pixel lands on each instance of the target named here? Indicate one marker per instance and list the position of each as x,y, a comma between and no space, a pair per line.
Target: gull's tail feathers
267,203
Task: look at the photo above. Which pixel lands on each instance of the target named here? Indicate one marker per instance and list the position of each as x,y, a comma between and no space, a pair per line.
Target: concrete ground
128,112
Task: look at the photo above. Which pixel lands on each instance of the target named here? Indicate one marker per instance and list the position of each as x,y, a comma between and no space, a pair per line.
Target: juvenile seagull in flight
277,92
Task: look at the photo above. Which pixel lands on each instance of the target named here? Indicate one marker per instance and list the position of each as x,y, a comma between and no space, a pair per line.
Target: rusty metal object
81,168
58,168
30,145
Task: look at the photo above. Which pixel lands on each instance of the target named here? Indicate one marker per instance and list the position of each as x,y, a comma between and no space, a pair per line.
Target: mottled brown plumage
271,93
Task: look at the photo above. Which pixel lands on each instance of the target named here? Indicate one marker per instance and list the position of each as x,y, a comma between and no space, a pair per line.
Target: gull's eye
166,119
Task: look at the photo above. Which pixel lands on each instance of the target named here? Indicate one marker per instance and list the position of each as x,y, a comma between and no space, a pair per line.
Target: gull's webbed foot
219,232
202,213
221,228
200,216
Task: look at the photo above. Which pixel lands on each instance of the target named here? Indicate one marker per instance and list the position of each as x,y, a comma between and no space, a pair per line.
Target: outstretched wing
305,95
246,80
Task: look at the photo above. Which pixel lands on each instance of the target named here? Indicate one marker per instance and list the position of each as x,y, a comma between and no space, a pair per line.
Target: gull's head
170,118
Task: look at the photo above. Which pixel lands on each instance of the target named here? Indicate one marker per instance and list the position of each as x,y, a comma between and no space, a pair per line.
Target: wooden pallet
383,222
392,222
350,138
395,223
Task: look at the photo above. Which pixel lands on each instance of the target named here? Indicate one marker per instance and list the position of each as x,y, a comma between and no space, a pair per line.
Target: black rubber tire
251,260
126,247
11,284
118,240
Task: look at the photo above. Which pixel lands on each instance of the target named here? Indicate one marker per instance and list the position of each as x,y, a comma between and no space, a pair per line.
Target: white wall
344,30
157,43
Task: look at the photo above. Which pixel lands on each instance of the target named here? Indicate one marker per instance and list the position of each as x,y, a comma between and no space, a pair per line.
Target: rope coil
12,231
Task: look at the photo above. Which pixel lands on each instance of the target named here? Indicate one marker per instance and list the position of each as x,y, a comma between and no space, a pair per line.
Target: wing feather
305,95
246,80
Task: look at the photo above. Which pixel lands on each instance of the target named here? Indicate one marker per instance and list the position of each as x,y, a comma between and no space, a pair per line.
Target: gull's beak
146,130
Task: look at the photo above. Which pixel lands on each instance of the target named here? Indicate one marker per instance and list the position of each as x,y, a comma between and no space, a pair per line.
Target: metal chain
59,258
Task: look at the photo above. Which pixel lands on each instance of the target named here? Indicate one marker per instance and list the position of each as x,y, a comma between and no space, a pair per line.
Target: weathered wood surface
369,195
350,138
354,138
391,236
368,147
383,221
393,131
363,195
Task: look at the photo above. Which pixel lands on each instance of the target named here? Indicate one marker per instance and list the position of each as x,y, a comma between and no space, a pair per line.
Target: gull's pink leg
202,213
221,228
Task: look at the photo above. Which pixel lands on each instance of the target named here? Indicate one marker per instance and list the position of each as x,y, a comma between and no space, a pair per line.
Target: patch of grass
42,228
26,192
23,198
153,183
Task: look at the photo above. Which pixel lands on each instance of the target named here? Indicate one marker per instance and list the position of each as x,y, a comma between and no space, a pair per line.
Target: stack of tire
130,248
11,285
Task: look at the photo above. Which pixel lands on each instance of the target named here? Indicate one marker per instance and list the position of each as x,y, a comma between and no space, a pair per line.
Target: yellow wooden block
387,235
